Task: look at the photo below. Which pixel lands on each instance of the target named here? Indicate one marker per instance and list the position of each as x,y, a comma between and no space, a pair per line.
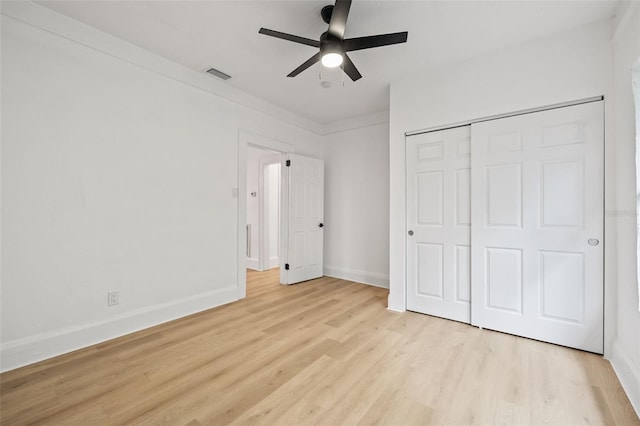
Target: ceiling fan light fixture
332,44
332,59
331,54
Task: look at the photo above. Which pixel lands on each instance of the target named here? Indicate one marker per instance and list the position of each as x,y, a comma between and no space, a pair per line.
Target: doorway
263,208
301,223
248,140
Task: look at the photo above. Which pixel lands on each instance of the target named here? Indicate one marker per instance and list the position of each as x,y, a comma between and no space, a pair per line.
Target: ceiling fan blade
289,37
350,69
312,60
368,42
339,16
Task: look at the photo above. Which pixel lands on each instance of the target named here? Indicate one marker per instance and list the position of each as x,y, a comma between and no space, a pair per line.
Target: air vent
218,74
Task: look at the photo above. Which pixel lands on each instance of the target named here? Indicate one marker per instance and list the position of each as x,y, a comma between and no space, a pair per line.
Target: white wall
356,239
564,67
117,174
626,350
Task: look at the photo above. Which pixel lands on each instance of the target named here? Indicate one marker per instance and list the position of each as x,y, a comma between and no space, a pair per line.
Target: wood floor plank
323,352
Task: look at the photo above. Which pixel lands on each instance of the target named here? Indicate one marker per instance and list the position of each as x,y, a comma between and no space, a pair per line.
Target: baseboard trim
253,263
21,352
364,277
628,375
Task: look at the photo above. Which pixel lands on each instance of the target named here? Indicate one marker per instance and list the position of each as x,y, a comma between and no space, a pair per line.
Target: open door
302,221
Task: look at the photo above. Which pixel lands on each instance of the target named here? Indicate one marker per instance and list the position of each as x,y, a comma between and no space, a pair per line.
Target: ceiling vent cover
218,74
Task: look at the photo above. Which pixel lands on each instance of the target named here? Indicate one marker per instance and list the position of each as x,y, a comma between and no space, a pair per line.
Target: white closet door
537,213
305,211
439,217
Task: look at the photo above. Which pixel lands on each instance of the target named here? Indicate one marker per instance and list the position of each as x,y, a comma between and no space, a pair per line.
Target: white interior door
537,213
304,205
439,217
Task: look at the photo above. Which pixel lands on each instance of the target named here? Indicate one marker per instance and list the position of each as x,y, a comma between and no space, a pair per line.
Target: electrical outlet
112,298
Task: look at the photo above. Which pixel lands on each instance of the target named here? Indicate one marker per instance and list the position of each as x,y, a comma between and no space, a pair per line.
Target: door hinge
288,163
286,266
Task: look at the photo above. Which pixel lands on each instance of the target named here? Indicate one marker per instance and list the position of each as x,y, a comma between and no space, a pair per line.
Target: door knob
410,232
320,225
593,241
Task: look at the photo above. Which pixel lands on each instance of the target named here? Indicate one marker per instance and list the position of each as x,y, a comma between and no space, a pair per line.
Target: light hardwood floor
324,352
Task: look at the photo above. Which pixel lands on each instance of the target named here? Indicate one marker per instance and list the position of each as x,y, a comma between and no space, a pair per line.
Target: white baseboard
28,350
274,262
628,375
364,277
253,263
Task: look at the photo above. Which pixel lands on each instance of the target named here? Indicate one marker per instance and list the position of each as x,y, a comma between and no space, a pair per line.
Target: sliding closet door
438,224
537,213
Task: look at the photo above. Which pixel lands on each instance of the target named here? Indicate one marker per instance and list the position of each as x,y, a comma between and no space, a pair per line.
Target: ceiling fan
333,46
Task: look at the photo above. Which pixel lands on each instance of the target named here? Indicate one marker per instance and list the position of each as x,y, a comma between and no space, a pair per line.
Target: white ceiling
224,35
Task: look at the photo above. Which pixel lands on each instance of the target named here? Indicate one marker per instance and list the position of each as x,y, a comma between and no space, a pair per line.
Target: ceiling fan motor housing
330,44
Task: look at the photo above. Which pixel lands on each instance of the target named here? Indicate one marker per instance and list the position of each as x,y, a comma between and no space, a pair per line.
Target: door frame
246,139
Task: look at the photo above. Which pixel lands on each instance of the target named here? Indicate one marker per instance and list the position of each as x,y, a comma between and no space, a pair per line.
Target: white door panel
304,205
439,215
537,199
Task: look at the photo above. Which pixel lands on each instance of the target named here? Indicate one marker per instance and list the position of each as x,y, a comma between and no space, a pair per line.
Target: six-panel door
439,216
305,210
537,212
